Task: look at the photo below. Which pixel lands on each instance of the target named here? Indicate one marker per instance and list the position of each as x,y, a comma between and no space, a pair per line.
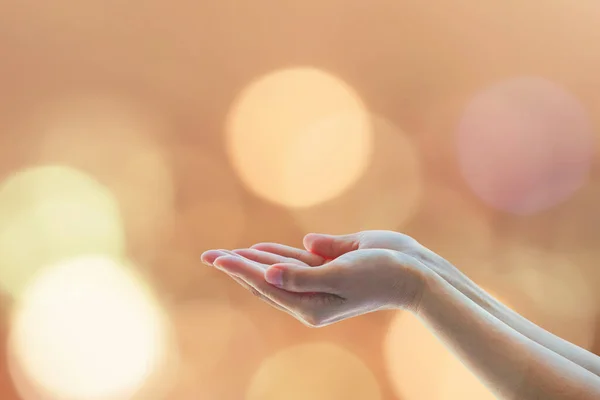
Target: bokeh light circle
220,345
454,226
385,197
50,213
525,145
87,329
299,137
319,371
123,143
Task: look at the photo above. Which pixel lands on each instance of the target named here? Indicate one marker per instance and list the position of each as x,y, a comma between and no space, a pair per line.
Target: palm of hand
360,276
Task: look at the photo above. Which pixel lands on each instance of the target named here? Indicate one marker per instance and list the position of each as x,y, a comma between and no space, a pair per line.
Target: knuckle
362,235
357,239
312,260
290,279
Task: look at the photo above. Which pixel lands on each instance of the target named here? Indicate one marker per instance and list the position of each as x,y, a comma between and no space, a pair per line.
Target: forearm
510,364
467,287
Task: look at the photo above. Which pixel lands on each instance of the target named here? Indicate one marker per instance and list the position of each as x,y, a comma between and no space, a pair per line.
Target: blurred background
136,135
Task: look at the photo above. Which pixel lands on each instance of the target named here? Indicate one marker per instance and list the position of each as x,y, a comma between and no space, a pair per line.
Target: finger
255,292
331,246
258,263
306,307
251,273
252,289
294,278
306,257
265,257
264,298
209,258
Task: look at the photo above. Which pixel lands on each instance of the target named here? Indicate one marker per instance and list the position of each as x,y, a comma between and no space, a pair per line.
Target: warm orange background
72,71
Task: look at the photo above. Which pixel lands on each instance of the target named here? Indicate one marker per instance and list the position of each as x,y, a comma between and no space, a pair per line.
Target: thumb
331,246
297,278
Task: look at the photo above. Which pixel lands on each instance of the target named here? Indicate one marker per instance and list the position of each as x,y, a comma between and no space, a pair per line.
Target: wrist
414,282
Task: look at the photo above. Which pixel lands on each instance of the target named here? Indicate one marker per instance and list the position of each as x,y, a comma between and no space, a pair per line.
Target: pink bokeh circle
525,145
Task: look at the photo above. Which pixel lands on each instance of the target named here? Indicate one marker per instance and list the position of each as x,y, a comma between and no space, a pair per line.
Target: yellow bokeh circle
87,329
50,213
299,137
317,371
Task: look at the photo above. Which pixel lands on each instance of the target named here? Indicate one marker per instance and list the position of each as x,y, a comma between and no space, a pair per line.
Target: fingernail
274,276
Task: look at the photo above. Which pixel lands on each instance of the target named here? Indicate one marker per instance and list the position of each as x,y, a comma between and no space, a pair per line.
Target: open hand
320,247
325,286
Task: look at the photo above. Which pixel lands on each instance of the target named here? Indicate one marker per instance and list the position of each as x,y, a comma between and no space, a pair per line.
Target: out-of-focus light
525,145
145,192
386,196
319,371
299,137
87,329
219,347
123,145
50,213
7,387
549,289
454,227
420,366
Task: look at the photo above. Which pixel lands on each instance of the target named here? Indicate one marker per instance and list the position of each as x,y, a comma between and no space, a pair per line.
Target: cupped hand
321,247
318,290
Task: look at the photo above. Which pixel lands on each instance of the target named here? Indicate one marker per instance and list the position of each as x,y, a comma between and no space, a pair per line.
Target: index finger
251,273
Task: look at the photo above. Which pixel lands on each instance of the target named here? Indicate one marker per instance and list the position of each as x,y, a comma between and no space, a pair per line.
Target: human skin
339,277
